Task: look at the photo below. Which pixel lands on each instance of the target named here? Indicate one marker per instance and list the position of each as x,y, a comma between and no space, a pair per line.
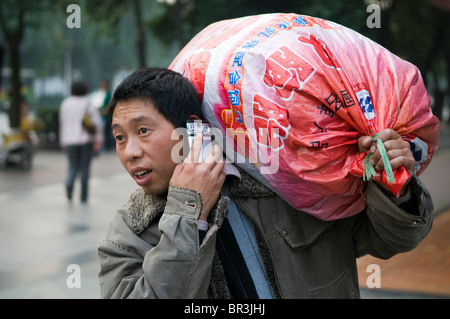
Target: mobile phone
203,127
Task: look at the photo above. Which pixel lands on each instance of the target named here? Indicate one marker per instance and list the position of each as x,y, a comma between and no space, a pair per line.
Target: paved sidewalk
425,271
41,234
421,273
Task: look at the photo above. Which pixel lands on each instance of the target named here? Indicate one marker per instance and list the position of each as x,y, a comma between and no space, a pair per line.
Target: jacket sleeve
387,228
176,267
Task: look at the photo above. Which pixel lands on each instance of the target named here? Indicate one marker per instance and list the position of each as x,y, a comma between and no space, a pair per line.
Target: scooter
16,145
17,149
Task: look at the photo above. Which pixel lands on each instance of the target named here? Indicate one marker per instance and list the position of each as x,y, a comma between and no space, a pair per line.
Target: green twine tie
369,171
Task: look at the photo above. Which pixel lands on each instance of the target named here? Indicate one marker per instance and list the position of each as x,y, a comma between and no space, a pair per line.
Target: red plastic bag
292,94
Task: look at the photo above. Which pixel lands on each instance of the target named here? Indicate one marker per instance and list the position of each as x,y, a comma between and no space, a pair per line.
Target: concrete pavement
42,235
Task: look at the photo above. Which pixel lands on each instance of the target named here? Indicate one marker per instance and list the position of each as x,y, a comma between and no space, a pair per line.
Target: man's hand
207,178
398,151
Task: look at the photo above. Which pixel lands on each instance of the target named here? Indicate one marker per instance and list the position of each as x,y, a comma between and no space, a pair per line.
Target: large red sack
292,94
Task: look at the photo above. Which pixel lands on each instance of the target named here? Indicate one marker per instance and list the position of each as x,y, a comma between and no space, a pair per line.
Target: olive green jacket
152,249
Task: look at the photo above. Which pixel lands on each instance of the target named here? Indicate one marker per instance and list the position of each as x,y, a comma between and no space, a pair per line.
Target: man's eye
119,138
143,130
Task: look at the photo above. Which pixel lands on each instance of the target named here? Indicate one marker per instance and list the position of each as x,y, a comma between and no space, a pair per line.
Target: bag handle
369,171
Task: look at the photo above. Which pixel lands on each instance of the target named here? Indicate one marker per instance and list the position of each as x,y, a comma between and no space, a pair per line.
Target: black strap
238,277
201,236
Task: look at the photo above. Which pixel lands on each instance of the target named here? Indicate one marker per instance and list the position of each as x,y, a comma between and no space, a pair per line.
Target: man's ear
193,117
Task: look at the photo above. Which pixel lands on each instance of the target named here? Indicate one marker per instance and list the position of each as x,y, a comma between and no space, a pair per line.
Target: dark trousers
79,162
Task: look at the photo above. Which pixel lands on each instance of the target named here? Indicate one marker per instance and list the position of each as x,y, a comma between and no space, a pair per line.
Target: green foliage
409,28
415,30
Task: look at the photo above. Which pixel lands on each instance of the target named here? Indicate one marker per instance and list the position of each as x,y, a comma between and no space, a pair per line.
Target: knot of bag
369,171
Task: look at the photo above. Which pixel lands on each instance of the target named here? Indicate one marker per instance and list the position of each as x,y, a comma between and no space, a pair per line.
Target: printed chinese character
348,101
234,77
301,21
324,24
251,44
271,122
238,57
325,110
318,144
239,117
285,24
287,71
234,97
268,31
320,128
332,99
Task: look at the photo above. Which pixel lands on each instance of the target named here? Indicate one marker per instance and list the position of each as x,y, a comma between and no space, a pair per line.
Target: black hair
173,95
79,88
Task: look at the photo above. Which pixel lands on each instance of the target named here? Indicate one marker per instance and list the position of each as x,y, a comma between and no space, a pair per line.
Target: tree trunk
447,73
16,99
178,22
436,44
2,53
13,37
140,38
439,95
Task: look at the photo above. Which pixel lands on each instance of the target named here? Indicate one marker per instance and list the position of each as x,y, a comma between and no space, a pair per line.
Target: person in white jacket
75,139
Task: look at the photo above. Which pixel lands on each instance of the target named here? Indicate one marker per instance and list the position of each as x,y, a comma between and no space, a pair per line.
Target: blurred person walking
81,134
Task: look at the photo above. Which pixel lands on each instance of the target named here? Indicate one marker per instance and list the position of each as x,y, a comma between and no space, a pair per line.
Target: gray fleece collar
248,187
143,208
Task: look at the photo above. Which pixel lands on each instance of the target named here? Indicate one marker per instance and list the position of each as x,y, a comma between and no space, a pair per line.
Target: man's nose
133,149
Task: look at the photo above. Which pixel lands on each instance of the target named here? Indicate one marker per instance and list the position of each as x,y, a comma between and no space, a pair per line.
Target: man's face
144,145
